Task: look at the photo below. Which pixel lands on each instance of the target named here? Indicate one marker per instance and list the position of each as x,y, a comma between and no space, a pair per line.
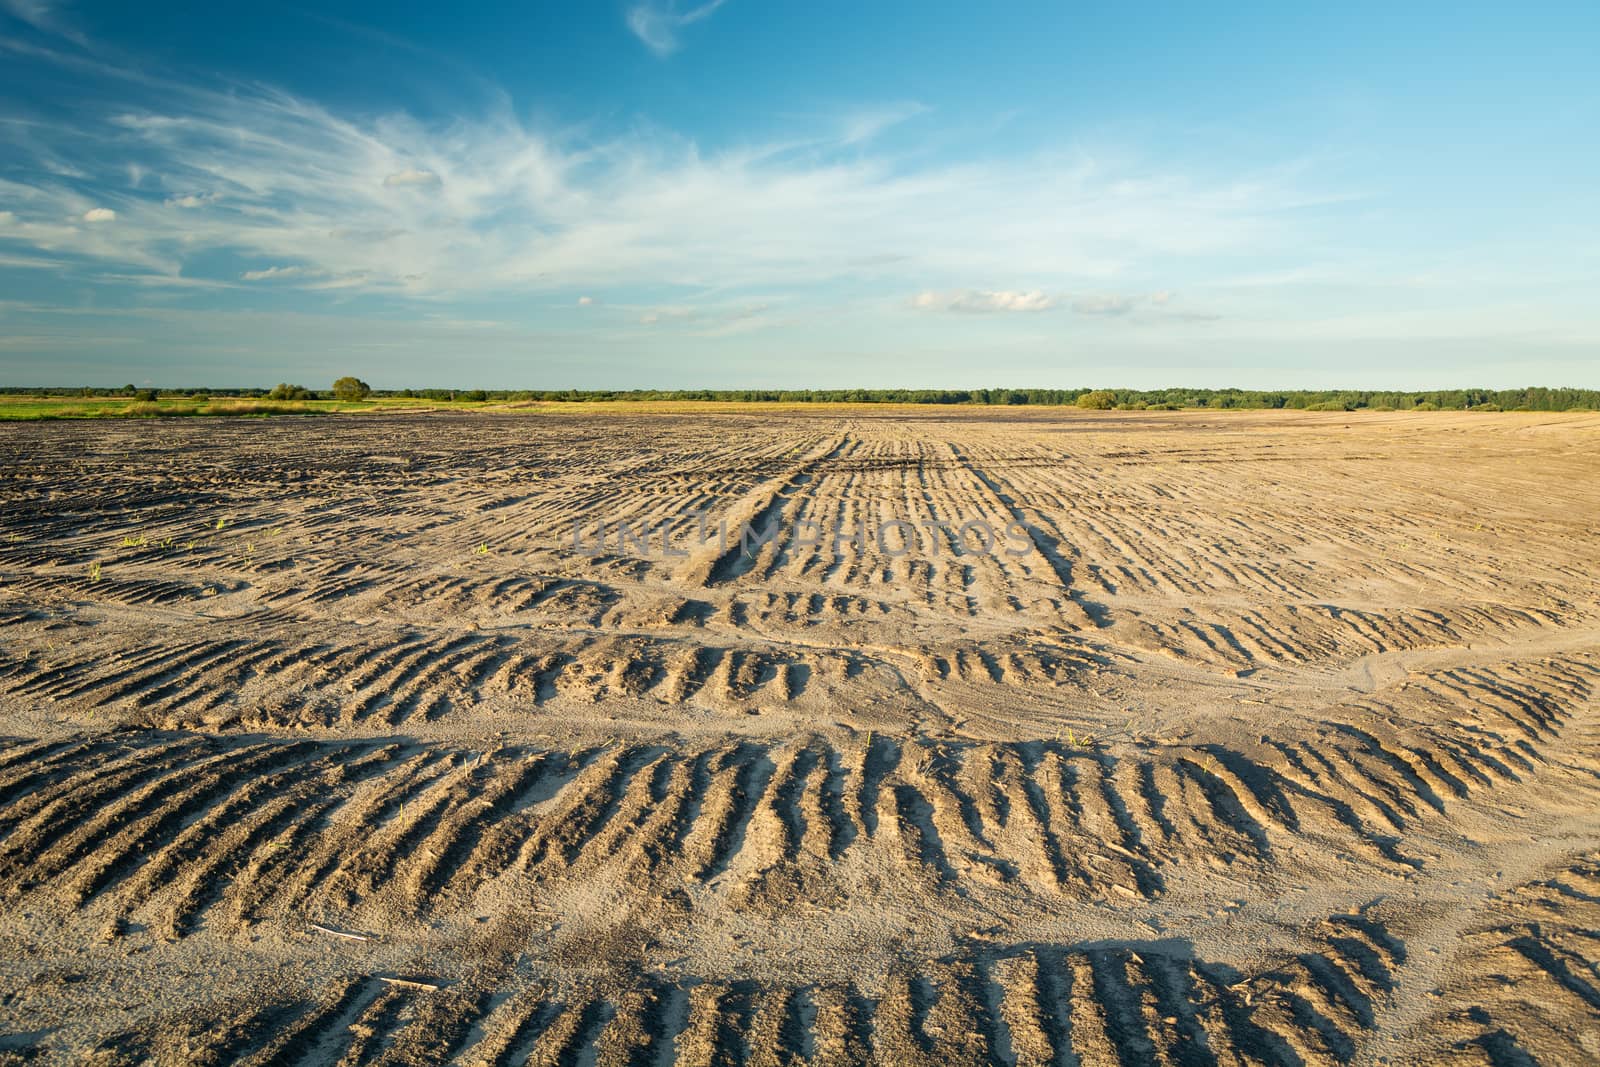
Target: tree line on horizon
1533,398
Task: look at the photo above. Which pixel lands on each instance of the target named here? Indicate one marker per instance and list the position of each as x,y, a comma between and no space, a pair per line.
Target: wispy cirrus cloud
983,301
1161,305
269,274
254,185
658,23
413,177
1144,307
43,15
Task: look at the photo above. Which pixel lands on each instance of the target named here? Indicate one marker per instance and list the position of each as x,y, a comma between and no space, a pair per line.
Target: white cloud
1102,304
585,301
515,209
30,263
411,177
41,15
99,214
659,23
663,315
865,125
983,300
1158,305
279,273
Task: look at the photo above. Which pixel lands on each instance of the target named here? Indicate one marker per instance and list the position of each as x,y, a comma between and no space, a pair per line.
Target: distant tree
144,396
1098,400
285,391
351,388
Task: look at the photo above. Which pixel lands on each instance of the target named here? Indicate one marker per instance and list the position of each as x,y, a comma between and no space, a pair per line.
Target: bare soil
1279,744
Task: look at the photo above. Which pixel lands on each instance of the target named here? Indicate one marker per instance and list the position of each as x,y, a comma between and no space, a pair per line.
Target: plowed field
1266,738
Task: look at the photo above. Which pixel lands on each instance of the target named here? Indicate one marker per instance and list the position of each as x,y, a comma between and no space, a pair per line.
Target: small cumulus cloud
585,301
99,214
981,301
191,200
411,178
658,24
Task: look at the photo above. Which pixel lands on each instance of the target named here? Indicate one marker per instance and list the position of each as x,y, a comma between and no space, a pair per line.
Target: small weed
481,550
135,542
221,523
1077,740
94,571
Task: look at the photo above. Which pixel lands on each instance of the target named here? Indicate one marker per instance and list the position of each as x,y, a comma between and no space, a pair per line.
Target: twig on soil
411,984
339,933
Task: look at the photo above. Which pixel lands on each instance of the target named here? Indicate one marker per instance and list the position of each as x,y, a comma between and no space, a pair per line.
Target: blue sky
764,193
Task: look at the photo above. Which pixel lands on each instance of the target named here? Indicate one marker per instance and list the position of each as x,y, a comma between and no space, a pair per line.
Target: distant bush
144,396
1329,405
285,391
1426,405
350,388
1098,400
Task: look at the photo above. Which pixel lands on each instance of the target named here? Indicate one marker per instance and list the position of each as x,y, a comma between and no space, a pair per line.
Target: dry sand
1279,744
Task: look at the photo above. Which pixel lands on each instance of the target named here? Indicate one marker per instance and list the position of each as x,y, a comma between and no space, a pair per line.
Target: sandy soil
1277,745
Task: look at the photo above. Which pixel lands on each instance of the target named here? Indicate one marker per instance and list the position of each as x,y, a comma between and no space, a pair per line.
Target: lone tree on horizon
351,388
